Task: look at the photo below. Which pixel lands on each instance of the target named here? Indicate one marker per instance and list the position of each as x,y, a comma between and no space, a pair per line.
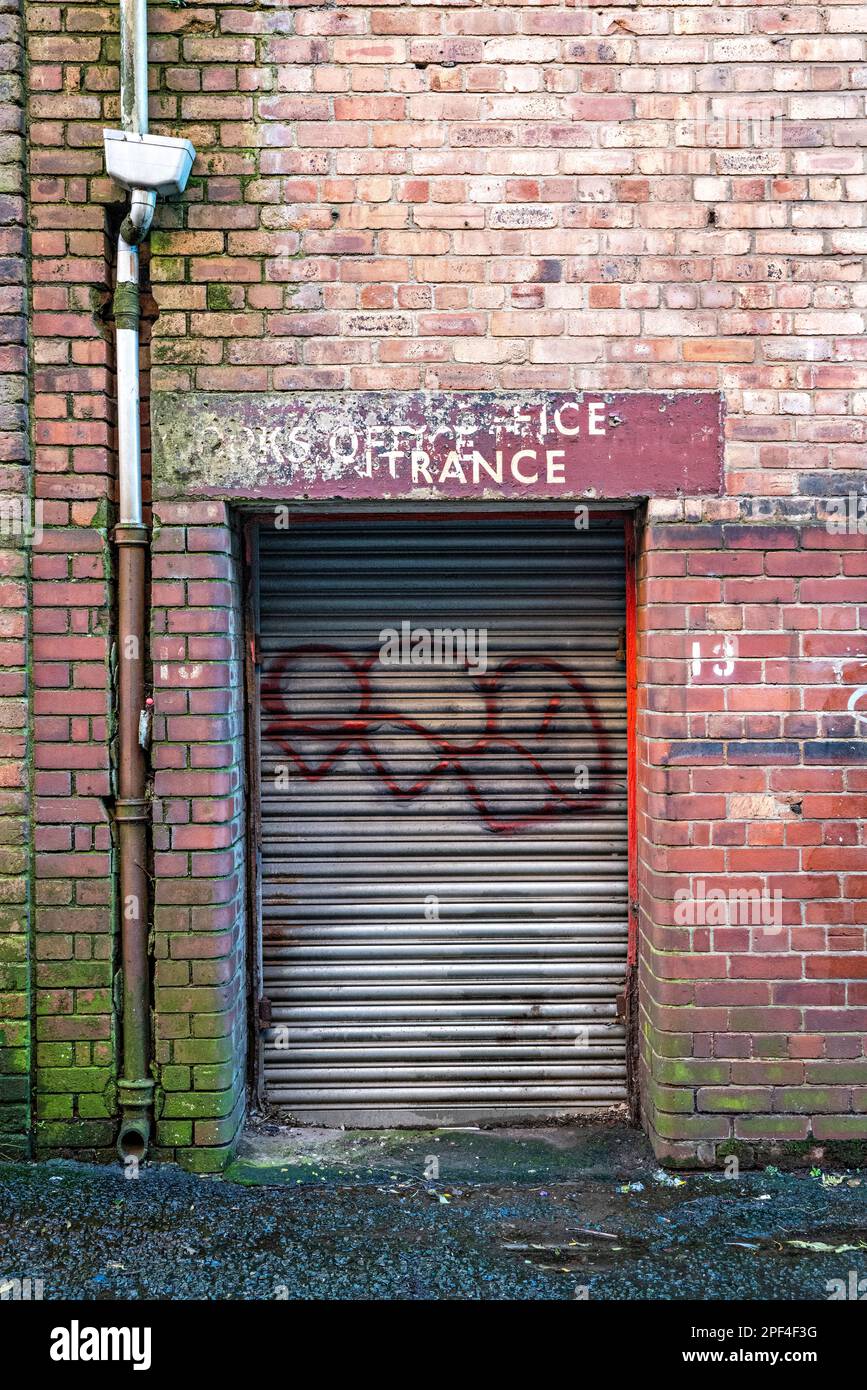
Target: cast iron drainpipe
136,1085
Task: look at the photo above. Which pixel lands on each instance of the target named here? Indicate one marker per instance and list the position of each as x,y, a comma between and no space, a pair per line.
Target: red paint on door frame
631,750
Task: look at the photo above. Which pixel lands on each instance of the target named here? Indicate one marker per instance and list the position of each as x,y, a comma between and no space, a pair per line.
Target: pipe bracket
126,305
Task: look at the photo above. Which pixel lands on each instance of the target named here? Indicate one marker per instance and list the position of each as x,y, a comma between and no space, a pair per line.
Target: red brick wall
199,846
14,652
72,701
450,197
753,1021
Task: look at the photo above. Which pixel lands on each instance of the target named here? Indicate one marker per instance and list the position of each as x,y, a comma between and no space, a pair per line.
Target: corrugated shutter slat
444,911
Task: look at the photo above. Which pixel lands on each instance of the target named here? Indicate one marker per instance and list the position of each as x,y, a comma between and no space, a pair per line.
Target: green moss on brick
206,1160
219,298
203,1050
691,1127
13,1060
73,1079
198,1104
212,1078
175,1078
691,1071
810,1100
94,1107
13,1088
719,1100
173,1134
671,1098
54,1107
76,1135
55,1054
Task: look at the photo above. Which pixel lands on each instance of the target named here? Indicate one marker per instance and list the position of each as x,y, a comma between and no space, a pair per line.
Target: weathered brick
452,198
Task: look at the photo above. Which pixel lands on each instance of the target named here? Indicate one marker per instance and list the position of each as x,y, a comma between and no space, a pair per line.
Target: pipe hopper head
153,163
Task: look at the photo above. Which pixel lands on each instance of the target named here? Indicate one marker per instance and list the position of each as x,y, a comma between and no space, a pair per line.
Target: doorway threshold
602,1146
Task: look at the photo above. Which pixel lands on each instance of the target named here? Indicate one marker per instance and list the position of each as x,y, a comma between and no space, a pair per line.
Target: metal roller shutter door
444,896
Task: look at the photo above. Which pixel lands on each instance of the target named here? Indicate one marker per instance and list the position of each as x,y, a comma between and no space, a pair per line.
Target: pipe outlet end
136,1101
133,1142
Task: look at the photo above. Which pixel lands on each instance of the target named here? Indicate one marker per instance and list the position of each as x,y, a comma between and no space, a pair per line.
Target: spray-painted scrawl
368,722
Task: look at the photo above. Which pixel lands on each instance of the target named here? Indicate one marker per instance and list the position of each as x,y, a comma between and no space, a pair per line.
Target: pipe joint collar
136,1104
130,533
135,1093
131,809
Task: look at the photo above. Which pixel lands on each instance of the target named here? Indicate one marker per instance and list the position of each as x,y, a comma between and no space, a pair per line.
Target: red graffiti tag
357,730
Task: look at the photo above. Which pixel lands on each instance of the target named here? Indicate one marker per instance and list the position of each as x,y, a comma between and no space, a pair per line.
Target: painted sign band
448,445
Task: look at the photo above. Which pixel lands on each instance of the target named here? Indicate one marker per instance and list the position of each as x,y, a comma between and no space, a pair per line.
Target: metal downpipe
136,1085
134,65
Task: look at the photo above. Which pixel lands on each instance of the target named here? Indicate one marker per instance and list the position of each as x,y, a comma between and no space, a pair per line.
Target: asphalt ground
525,1215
